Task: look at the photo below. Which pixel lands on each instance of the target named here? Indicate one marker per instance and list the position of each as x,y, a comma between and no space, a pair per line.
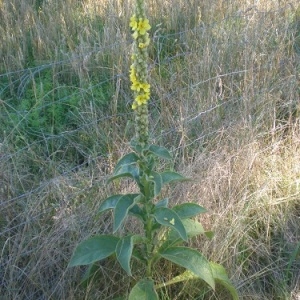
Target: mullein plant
165,230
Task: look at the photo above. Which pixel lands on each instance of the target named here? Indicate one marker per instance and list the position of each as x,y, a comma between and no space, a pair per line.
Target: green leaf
130,170
124,251
168,217
218,273
221,277
93,249
157,180
188,210
192,228
161,152
162,203
136,211
143,290
126,160
122,208
109,203
191,260
170,176
136,146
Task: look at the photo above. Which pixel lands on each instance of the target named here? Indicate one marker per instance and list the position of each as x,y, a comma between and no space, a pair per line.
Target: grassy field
225,100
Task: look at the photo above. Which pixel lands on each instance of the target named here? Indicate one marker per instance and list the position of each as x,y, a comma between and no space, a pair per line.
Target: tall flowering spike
138,71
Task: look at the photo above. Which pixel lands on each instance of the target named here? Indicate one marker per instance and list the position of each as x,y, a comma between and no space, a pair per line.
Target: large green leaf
157,180
188,210
124,251
121,210
129,170
192,228
111,202
221,277
168,217
143,290
170,176
126,160
192,260
161,152
94,249
172,238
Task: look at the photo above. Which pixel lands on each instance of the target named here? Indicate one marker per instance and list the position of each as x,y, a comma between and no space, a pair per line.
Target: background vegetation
225,99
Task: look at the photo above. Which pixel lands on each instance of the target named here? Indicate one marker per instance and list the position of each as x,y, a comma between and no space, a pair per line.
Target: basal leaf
170,176
94,249
191,260
143,290
124,251
121,210
188,210
161,152
168,217
221,277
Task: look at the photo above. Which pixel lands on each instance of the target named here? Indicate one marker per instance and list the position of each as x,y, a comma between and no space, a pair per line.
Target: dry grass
225,82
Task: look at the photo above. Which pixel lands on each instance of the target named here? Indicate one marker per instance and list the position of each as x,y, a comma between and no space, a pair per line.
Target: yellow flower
146,87
133,22
136,86
143,25
142,98
132,78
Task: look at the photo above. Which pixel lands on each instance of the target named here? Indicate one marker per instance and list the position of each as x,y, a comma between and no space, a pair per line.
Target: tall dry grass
225,83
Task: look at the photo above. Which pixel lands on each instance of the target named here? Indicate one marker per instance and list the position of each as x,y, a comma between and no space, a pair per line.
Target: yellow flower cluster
142,89
138,69
139,26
